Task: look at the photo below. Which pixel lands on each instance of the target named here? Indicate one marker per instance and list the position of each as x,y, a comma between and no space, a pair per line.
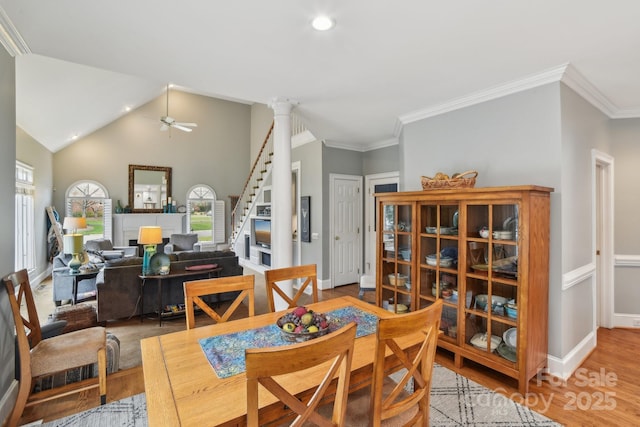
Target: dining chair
395,401
398,401
195,289
40,357
263,364
306,272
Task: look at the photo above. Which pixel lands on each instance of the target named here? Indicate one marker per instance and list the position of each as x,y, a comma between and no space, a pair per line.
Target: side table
212,272
77,277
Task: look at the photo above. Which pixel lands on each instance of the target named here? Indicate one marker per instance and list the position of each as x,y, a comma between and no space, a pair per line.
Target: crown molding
545,77
583,87
10,37
362,148
565,73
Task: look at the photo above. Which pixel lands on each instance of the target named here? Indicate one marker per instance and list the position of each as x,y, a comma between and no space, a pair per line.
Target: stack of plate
507,348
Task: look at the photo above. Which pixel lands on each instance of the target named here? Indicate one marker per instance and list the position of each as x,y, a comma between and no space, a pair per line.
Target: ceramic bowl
484,232
444,261
406,254
399,281
511,310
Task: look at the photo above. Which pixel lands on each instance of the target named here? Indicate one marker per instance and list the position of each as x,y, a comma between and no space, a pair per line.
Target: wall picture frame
305,220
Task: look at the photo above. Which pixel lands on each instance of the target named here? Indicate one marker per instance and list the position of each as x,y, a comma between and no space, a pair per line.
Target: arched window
205,214
90,199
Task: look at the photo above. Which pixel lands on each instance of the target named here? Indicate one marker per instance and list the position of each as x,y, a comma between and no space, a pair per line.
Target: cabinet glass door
438,249
491,278
396,257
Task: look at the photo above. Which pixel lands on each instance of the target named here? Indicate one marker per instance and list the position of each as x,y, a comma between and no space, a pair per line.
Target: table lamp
149,236
73,243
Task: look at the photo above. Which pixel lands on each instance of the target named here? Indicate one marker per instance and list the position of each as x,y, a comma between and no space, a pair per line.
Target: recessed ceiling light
322,23
127,108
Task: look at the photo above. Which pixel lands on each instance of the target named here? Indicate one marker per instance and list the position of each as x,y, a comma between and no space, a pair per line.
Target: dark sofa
118,284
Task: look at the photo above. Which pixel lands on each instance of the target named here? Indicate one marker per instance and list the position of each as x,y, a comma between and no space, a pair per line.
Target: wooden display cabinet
485,252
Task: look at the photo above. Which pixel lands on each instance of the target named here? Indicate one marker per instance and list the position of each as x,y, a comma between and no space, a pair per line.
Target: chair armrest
128,250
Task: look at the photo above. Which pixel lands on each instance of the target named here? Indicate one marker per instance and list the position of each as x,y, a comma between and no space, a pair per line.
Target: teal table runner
226,352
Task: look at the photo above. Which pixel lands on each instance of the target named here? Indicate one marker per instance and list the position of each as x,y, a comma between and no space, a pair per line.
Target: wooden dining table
182,388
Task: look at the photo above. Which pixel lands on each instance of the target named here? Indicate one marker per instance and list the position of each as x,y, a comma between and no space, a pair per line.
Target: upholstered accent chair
181,242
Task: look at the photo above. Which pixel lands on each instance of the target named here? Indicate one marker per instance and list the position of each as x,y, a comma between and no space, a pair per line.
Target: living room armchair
181,242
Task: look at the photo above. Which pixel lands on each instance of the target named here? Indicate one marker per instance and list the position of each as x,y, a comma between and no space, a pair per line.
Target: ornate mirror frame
156,179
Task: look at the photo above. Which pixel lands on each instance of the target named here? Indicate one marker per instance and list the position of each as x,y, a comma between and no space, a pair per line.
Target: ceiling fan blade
177,126
193,125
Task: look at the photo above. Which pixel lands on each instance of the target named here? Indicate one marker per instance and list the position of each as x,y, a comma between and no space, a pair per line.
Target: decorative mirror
149,187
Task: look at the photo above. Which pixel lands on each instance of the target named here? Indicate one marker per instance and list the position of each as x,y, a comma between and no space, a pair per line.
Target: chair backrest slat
195,289
263,364
419,366
307,272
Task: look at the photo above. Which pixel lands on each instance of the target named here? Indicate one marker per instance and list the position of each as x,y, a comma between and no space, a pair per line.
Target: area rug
455,401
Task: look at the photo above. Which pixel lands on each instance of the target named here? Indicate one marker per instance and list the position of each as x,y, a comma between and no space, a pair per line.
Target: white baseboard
621,320
563,368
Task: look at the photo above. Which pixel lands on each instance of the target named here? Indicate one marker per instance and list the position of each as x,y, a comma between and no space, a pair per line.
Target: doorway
603,239
345,224
376,183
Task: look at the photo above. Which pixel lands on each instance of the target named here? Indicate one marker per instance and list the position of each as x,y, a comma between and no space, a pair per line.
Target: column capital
282,105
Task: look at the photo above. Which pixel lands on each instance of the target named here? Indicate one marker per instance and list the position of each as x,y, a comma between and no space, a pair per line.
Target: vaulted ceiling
79,63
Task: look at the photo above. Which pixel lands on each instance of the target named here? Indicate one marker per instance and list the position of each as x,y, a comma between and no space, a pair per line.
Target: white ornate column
281,247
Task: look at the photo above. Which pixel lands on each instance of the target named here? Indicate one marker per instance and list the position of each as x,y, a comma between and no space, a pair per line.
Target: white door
378,183
346,224
603,310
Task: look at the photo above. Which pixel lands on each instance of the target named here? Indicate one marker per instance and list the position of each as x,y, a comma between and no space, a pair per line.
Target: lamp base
149,251
74,264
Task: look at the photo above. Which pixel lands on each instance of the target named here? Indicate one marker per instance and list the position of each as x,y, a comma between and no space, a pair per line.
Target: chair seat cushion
73,375
66,351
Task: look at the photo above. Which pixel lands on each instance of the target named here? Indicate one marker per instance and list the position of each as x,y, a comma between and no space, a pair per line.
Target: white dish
444,261
510,337
479,341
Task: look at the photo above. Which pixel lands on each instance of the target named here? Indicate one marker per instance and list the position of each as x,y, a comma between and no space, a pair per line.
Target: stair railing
257,175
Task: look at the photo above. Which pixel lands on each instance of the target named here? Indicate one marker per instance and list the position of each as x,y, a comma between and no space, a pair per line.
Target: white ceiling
384,64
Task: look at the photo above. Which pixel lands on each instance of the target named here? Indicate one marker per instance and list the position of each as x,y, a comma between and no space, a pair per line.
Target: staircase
260,172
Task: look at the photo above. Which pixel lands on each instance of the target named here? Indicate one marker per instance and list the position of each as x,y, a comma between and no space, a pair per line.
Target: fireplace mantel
126,226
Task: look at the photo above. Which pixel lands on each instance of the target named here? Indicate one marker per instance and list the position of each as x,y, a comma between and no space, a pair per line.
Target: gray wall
626,150
583,128
216,153
7,225
261,120
31,152
311,185
381,160
513,140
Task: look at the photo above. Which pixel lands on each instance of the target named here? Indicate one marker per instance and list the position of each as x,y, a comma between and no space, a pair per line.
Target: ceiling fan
168,122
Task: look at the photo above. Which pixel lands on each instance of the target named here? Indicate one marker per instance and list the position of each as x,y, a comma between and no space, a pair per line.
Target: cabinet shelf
447,223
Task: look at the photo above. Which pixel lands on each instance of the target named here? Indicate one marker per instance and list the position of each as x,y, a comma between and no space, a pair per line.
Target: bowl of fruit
302,324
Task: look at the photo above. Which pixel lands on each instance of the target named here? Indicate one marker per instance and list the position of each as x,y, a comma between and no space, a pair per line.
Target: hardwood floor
605,390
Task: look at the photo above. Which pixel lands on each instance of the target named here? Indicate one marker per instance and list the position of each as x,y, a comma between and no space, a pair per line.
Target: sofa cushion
98,245
187,256
122,262
109,255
